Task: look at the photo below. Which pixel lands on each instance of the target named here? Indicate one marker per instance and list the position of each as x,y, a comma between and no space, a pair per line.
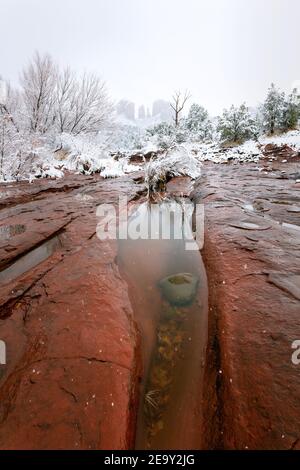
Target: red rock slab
72,369
180,186
253,395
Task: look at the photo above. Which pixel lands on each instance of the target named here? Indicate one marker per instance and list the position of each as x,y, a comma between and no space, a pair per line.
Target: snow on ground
292,139
214,152
109,154
250,151
76,154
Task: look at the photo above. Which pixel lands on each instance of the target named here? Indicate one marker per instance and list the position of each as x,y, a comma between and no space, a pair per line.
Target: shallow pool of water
172,318
30,260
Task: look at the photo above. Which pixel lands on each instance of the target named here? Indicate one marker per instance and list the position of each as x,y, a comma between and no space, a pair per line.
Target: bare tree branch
178,102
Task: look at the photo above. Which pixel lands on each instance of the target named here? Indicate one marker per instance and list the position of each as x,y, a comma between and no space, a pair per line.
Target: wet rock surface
73,360
70,381
253,388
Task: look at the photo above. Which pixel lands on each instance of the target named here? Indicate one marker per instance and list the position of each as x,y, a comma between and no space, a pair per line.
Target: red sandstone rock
72,349
282,152
253,393
181,186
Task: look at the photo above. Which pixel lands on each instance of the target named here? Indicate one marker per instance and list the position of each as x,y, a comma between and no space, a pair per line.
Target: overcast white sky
223,51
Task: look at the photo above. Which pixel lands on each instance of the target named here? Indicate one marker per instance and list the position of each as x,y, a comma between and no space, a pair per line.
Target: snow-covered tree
290,112
236,124
5,139
38,81
81,104
11,136
11,104
198,123
272,109
60,100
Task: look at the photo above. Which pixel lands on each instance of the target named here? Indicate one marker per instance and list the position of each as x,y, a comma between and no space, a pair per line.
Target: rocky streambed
75,343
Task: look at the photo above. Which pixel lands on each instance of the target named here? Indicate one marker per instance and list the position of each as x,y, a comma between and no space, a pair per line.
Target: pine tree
198,123
272,109
290,114
236,124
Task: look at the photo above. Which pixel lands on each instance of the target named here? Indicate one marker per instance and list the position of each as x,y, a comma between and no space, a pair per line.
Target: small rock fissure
56,233
30,259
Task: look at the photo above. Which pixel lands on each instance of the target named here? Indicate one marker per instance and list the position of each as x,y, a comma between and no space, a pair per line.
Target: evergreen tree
198,123
272,109
290,114
236,124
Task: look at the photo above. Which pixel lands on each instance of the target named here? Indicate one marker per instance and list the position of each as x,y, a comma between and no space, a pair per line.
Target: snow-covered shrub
176,161
236,124
88,155
164,134
126,138
163,128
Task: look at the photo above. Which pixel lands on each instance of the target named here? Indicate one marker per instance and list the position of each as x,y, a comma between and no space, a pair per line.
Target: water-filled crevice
168,291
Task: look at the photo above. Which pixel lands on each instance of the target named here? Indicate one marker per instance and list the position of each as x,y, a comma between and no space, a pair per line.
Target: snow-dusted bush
126,138
236,124
164,134
86,154
161,129
176,161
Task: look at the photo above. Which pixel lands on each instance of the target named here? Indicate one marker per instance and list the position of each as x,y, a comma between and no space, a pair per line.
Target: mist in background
223,51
